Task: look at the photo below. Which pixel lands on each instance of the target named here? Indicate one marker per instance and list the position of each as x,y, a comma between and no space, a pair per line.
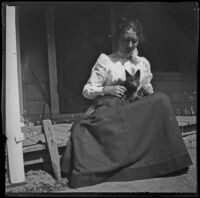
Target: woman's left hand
115,90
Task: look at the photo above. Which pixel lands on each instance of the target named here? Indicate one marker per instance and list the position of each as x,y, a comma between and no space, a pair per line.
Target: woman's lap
127,142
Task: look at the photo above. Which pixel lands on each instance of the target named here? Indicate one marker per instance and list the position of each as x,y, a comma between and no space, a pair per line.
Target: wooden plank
67,115
40,147
188,133
52,147
19,65
186,118
13,124
60,129
34,134
182,123
36,157
3,74
35,161
60,118
66,127
52,59
33,148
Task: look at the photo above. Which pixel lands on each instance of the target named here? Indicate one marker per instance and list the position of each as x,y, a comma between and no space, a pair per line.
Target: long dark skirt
123,143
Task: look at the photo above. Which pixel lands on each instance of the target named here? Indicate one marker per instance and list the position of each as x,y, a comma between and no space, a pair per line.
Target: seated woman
138,140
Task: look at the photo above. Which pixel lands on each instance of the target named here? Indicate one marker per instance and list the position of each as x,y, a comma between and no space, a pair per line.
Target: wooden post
13,127
20,75
52,60
52,147
19,59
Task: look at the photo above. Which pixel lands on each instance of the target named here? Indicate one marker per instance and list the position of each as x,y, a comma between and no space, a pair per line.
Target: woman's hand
115,90
147,90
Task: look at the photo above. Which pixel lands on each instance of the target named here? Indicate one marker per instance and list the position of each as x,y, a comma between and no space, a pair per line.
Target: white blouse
110,68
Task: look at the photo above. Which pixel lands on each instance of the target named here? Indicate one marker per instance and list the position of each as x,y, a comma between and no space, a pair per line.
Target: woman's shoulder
103,59
144,61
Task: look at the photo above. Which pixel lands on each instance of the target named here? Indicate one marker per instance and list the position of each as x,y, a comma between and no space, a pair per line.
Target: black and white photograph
100,98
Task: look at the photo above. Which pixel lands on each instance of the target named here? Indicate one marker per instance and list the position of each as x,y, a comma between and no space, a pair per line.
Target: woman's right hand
115,90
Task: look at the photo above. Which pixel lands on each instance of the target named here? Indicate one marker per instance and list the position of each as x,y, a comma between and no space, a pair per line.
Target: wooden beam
19,65
34,133
33,148
3,74
52,59
13,128
35,161
188,133
66,118
52,147
40,147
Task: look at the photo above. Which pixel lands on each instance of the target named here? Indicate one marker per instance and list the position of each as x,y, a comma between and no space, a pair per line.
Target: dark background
84,30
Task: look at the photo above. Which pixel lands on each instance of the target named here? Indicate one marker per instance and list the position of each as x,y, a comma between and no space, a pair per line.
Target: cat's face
131,83
133,80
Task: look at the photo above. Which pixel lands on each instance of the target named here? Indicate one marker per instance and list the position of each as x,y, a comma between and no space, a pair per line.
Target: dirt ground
40,181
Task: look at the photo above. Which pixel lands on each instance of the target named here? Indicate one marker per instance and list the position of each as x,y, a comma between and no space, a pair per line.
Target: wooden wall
173,58
34,60
181,91
81,34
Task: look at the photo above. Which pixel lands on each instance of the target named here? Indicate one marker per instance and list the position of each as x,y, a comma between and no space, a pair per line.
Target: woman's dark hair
127,23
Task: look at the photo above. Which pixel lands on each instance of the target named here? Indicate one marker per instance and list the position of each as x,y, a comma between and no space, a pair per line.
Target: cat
131,84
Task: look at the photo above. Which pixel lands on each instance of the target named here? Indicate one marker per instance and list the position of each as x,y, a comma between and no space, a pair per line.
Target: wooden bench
44,144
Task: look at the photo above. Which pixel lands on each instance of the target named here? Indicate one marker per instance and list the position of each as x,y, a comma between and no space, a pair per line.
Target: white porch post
13,127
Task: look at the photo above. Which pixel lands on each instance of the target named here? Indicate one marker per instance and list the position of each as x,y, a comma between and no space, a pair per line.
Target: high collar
133,57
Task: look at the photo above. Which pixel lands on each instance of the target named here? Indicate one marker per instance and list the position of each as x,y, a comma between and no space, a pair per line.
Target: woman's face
128,41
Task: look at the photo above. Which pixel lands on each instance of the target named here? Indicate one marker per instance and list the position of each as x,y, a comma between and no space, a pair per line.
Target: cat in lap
131,84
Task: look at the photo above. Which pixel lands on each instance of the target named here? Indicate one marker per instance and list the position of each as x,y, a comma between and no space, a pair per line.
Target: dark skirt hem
133,173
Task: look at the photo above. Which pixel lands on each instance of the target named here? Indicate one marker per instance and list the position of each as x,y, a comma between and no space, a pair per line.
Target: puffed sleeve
94,85
146,82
